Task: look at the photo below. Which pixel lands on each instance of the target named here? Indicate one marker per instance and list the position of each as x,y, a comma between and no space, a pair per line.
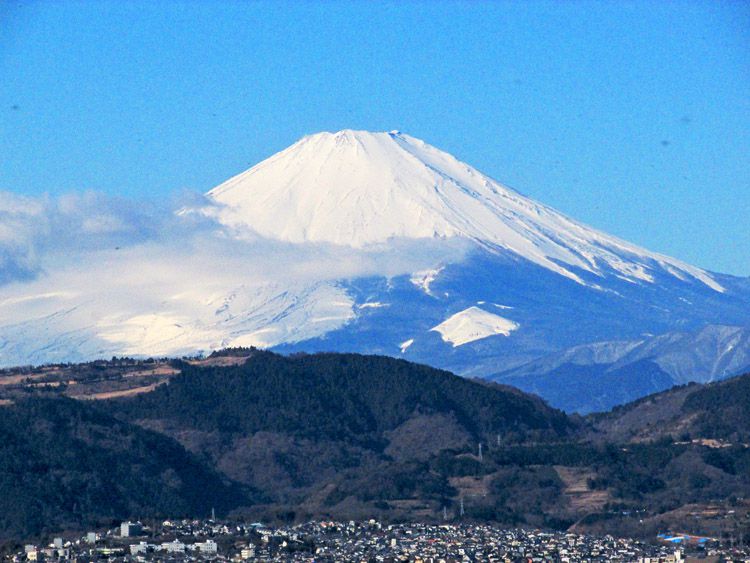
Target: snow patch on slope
372,305
405,345
424,279
473,324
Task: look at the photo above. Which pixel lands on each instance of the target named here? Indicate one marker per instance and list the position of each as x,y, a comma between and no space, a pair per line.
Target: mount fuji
358,188
375,243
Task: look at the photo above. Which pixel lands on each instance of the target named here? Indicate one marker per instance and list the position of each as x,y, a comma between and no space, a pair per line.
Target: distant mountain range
599,376
380,243
346,436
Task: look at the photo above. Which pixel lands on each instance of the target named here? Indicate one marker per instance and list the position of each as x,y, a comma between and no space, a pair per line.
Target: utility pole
480,451
462,506
445,513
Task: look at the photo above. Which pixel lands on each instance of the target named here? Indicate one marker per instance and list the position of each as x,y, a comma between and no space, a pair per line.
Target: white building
175,546
248,552
140,548
130,529
208,546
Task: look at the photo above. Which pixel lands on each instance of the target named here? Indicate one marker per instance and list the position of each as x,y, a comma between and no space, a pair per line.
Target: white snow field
473,324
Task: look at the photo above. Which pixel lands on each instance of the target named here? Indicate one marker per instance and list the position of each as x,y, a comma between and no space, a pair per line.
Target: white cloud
95,276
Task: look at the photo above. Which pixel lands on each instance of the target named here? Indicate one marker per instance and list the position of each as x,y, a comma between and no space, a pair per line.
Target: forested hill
722,409
714,411
345,436
347,397
350,436
66,464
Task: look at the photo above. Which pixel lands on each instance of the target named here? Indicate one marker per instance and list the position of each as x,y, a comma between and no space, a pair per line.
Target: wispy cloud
98,275
72,231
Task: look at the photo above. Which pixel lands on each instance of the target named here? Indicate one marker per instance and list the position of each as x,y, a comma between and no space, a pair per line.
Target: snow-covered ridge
359,188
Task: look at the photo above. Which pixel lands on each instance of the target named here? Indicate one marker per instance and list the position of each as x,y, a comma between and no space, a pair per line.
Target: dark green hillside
340,435
718,410
346,397
722,409
66,464
350,436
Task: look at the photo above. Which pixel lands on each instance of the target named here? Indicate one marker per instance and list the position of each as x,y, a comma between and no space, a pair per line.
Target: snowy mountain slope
180,314
711,353
553,313
359,188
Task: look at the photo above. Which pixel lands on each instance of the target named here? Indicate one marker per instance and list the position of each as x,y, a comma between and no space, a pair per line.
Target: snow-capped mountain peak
359,188
498,300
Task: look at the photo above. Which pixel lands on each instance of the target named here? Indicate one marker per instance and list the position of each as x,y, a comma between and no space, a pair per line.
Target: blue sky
632,117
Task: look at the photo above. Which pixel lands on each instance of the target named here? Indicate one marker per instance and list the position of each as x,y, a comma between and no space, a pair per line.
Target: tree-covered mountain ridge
349,397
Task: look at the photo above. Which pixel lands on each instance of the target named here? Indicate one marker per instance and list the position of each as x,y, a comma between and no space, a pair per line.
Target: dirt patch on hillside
220,361
472,486
582,498
122,393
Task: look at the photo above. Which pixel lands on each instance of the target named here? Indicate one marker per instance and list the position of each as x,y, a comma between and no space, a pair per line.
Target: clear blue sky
632,117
